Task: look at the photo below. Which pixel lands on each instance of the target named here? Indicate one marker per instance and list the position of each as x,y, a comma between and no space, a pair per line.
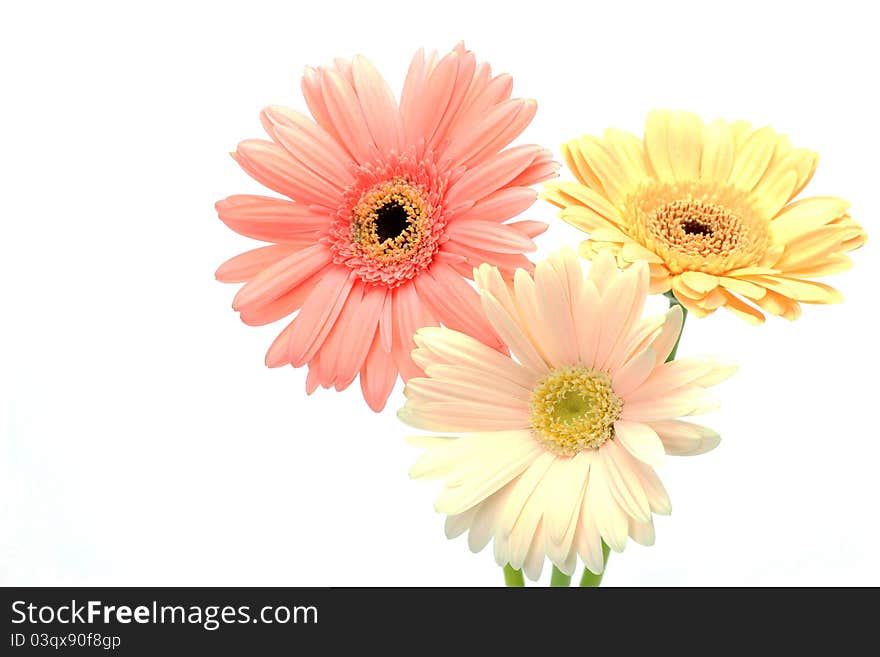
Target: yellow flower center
390,220
573,409
698,227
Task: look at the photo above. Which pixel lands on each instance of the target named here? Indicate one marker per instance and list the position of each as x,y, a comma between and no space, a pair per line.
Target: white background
144,442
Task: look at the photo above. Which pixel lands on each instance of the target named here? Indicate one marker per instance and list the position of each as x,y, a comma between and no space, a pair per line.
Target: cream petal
641,441
510,455
665,341
685,400
534,561
669,376
511,333
522,491
633,373
587,320
450,347
487,517
528,526
641,532
653,487
461,416
609,517
457,525
587,540
566,481
624,482
555,308
603,271
682,438
475,377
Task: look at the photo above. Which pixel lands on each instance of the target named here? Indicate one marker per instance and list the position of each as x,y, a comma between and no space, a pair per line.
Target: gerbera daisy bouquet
547,398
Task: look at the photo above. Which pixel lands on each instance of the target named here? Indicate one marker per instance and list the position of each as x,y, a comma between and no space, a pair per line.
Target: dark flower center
391,220
695,227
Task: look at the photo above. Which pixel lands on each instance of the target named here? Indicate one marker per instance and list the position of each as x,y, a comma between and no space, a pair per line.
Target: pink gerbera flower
391,206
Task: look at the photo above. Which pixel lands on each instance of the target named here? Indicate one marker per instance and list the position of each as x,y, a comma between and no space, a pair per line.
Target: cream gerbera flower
709,208
560,440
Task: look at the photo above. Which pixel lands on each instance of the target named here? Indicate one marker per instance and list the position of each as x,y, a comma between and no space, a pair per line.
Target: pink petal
345,112
378,105
286,304
507,263
271,165
423,104
530,229
319,314
314,96
483,95
412,93
501,205
455,303
378,375
245,266
491,175
308,143
463,80
542,168
490,236
273,219
282,276
349,341
410,314
500,126
277,355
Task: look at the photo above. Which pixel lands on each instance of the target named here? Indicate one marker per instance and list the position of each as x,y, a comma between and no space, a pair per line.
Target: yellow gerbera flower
709,207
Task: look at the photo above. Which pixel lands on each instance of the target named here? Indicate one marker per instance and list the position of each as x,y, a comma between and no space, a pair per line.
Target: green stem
559,578
684,315
591,579
513,577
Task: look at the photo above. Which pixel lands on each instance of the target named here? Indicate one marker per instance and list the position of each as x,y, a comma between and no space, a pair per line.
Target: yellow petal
745,288
717,160
811,247
685,135
832,265
632,251
584,219
740,308
752,160
629,151
656,145
806,215
574,160
773,192
568,192
800,290
699,281
606,168
776,304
